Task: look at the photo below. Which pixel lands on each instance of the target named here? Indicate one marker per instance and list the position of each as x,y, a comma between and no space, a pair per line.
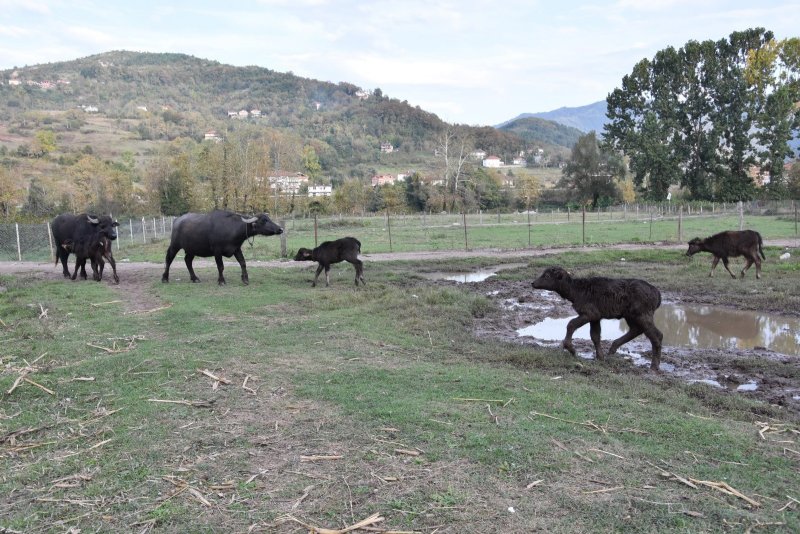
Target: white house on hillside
287,182
320,190
492,161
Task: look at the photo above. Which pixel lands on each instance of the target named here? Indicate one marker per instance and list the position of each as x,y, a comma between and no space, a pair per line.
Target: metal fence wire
387,232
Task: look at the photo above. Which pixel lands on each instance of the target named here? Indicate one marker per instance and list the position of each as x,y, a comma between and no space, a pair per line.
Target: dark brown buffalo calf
599,298
731,244
344,249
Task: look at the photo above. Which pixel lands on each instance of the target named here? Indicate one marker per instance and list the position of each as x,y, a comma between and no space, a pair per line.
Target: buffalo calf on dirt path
599,298
96,251
80,230
219,233
344,249
731,244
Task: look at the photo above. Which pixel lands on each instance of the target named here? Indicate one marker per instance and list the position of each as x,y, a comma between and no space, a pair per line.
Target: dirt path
47,268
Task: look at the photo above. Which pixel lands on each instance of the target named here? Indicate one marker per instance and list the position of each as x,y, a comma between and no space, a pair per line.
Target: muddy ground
519,306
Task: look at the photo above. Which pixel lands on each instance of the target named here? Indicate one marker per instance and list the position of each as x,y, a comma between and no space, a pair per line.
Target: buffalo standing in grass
219,233
731,244
599,298
80,231
344,249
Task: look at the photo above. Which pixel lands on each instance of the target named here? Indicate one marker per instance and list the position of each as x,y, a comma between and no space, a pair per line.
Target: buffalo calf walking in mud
599,298
344,249
731,244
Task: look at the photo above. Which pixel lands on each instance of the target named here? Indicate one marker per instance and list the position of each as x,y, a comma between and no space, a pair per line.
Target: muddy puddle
694,326
466,277
749,353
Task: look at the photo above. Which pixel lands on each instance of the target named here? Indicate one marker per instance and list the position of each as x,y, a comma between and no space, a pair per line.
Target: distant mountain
537,130
583,118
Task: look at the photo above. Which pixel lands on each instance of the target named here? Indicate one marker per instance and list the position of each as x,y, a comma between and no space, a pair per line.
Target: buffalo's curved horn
250,220
93,220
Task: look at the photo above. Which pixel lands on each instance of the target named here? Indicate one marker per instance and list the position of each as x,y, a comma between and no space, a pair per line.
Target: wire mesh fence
145,238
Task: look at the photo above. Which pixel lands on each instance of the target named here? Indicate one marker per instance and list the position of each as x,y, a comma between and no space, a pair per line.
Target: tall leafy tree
591,173
691,117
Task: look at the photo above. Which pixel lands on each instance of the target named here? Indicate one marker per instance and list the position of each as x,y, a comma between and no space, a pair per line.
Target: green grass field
333,404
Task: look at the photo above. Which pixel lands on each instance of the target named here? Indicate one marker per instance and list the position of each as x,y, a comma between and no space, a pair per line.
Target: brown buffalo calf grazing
731,244
599,298
329,252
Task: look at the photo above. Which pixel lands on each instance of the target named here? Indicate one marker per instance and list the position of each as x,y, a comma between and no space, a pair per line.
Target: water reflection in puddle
465,277
694,326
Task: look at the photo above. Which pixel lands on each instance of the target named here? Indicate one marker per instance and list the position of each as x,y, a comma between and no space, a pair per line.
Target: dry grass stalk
306,493
589,424
70,481
534,483
244,385
134,312
31,382
501,401
194,404
98,304
320,457
790,504
16,383
83,379
407,452
724,487
371,520
608,453
43,314
604,490
194,492
211,375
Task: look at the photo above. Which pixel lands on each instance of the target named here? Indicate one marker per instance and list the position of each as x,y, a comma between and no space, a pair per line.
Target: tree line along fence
146,238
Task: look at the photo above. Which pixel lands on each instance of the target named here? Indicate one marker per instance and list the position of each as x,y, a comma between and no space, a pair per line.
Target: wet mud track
758,373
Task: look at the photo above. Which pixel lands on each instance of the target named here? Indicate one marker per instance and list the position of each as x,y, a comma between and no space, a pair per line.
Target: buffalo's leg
359,265
319,270
727,267
111,261
594,333
220,268
758,266
188,260
714,263
240,258
170,256
655,336
327,275
573,325
747,263
633,331
63,256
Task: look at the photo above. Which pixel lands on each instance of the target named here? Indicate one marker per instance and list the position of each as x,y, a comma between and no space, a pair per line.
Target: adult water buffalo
219,233
730,244
80,231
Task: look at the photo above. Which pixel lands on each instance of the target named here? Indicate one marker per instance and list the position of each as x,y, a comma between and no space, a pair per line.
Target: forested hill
540,130
193,95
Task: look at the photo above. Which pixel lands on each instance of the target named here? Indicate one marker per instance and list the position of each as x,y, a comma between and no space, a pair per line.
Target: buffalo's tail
760,246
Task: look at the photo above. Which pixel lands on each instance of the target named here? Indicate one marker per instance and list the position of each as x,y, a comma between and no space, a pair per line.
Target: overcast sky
477,62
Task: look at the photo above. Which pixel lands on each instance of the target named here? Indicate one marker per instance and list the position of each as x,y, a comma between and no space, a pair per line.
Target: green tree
44,142
416,192
691,116
311,165
37,203
591,173
10,193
